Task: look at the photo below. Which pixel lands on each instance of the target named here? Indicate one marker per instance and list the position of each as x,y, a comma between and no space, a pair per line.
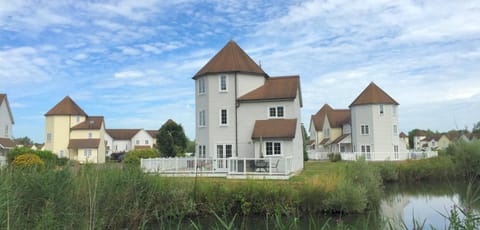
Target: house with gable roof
6,125
330,130
71,133
242,112
369,127
124,140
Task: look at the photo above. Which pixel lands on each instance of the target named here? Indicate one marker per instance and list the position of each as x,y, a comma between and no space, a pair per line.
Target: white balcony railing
226,166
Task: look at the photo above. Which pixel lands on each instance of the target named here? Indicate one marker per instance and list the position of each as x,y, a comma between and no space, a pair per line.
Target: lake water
402,207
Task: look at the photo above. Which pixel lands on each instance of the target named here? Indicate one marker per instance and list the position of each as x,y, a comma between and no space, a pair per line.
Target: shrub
28,160
466,157
47,157
334,157
133,157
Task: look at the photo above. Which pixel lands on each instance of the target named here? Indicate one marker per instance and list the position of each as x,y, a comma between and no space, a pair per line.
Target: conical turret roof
373,95
66,107
231,58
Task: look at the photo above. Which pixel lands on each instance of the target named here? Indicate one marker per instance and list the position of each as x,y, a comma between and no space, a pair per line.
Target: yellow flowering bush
28,160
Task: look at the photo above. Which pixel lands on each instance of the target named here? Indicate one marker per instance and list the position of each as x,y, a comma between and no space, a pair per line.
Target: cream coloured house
71,133
330,130
242,112
6,125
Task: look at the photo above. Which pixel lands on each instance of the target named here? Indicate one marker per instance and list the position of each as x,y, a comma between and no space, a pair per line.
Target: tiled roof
403,135
84,143
153,133
275,128
319,117
420,133
231,58
373,95
275,88
7,143
2,98
93,122
336,117
66,107
340,138
122,134
324,141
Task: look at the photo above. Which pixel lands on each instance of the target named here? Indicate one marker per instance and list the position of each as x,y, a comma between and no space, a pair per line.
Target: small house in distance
6,125
71,133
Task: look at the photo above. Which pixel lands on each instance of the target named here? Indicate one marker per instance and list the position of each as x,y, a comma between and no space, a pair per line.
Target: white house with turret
6,125
242,112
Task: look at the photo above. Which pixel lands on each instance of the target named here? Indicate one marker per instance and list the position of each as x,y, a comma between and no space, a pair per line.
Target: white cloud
129,74
22,64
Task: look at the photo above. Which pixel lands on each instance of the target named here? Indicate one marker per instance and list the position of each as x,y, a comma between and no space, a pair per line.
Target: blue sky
132,61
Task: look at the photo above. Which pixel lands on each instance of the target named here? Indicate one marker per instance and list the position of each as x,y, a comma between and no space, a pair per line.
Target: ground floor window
395,151
202,151
223,152
366,151
273,148
87,153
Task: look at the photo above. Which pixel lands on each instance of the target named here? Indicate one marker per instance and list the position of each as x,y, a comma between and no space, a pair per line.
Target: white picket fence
374,156
3,161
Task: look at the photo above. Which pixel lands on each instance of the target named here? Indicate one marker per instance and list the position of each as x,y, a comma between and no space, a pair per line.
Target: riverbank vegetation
115,196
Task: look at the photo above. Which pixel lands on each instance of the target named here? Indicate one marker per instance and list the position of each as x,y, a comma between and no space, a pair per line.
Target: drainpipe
236,117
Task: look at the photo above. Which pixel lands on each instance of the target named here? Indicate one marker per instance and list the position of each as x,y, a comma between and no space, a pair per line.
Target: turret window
223,83
364,130
201,86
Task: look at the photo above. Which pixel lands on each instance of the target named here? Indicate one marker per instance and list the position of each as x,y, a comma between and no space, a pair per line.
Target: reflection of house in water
392,209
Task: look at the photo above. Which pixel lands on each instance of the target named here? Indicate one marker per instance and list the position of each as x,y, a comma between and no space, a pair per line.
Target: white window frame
137,142
366,149
202,118
90,135
6,131
87,153
395,130
49,137
220,83
382,109
201,86
364,130
276,109
146,142
395,151
273,145
220,121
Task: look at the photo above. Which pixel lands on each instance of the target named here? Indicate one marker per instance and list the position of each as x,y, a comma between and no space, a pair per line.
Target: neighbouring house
71,133
404,140
436,142
124,140
242,112
418,136
6,125
369,127
375,133
330,130
469,137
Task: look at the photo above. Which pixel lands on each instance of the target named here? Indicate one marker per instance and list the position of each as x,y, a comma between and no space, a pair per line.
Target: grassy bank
116,197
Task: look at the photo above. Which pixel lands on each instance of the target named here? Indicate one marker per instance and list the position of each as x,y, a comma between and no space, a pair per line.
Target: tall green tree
171,139
25,141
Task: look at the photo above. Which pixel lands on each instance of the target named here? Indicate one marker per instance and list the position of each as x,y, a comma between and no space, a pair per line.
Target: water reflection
425,204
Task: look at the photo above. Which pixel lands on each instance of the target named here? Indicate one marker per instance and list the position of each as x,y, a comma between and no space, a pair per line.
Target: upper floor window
49,137
364,130
6,130
381,109
89,135
223,83
201,86
395,130
202,119
276,112
327,133
137,142
223,117
146,142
